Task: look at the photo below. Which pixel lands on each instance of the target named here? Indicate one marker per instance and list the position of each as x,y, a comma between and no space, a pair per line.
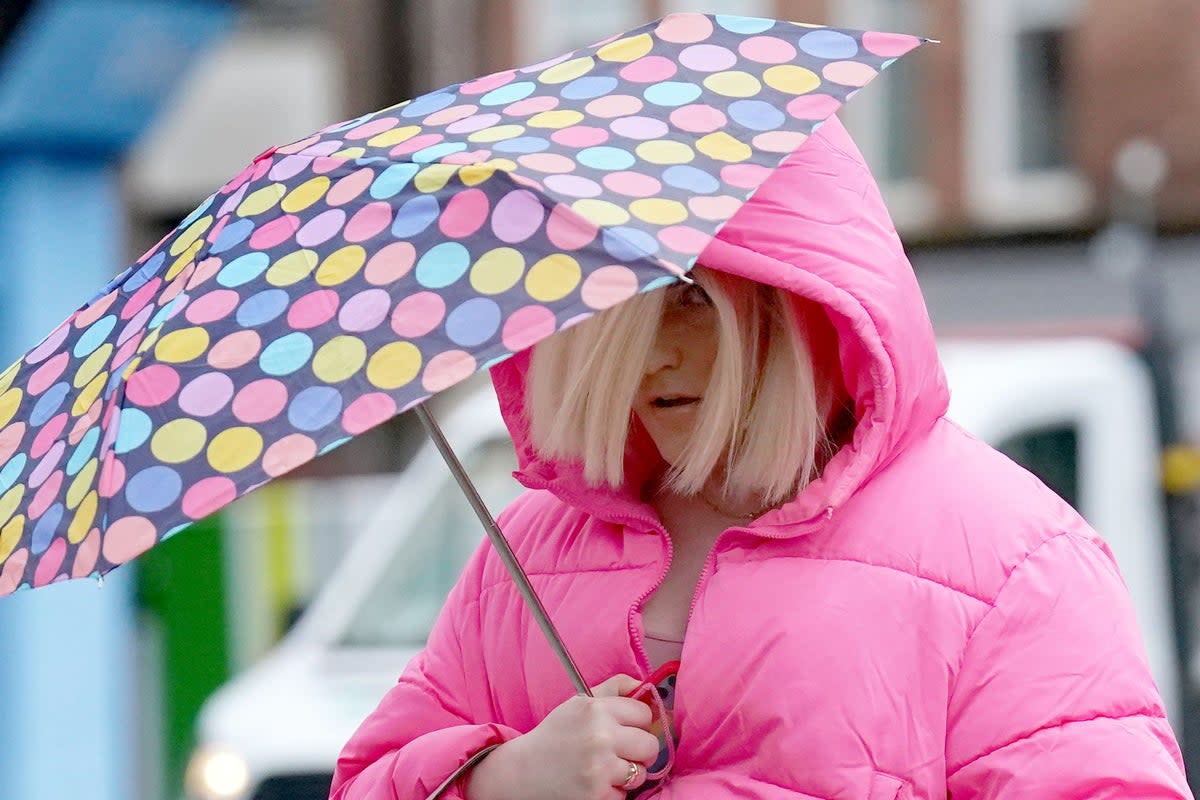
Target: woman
755,475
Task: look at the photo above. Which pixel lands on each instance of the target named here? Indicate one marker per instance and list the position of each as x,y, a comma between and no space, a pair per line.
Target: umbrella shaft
502,547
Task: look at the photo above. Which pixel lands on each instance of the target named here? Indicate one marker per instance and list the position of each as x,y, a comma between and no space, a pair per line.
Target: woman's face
678,369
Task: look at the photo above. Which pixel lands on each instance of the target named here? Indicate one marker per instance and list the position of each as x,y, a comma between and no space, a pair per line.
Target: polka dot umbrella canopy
346,277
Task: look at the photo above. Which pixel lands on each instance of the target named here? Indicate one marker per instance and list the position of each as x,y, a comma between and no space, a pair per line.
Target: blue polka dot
153,489
658,283
262,308
588,87
522,144
672,93
199,212
352,123
415,216
133,429
508,94
11,471
314,408
442,265
335,444
94,336
427,104
691,179
437,151
757,115
735,24
828,44
243,269
144,273
605,158
45,528
629,244
49,404
392,180
166,312
183,526
83,451
286,354
474,322
232,235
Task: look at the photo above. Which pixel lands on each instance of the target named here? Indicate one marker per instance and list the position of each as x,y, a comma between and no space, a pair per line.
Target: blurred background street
1042,166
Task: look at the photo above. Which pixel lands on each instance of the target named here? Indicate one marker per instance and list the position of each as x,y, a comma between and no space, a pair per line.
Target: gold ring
635,770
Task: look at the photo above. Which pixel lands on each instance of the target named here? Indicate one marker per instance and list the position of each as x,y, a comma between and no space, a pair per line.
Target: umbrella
344,278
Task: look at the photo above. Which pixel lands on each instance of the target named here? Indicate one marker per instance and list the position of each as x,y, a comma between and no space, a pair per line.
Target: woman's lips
674,402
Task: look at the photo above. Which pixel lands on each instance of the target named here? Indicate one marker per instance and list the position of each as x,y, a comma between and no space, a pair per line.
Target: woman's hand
582,750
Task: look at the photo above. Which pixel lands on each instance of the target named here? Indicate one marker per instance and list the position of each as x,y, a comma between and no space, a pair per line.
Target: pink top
660,650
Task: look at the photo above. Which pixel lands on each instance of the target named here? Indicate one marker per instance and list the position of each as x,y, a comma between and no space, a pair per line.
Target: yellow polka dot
665,151
82,483
191,235
723,147
8,376
10,534
10,401
394,137
555,119
568,70
133,364
553,278
181,263
234,449
625,50
434,177
10,500
791,79
734,83
179,347
350,153
475,174
306,194
601,212
394,365
84,517
497,270
179,440
88,395
339,358
262,200
658,211
497,133
92,365
293,268
342,265
150,340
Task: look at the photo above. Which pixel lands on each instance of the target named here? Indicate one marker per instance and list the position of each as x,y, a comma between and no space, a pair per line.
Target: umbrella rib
507,556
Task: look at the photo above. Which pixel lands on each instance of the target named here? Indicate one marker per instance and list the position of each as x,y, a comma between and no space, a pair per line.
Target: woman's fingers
627,711
635,744
629,775
616,686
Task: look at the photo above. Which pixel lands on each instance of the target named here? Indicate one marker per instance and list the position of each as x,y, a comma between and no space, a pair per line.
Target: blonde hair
762,418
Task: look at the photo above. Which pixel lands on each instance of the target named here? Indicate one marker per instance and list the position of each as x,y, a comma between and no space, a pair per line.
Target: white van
1079,413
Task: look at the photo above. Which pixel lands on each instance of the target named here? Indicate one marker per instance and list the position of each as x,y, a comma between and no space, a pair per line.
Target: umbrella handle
503,549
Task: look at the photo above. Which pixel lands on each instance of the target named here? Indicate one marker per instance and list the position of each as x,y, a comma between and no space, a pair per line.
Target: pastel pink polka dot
50,562
152,385
275,232
365,311
418,314
779,141
46,467
615,105
552,163
451,114
126,351
889,45
632,184
410,146
531,105
50,344
580,136
10,440
372,128
206,496
47,374
464,214
14,568
684,28
288,453
212,306
650,69
390,264
260,400
813,106
46,494
96,310
608,286
313,309
86,554
767,50
296,147
81,426
325,164
112,477
487,83
527,326
715,208
235,350
684,239
745,176
849,73
446,369
204,272
214,232
467,157
50,432
368,411
568,231
350,187
127,538
699,118
368,222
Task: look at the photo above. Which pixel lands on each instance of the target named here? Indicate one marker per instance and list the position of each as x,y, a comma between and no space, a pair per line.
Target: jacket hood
816,227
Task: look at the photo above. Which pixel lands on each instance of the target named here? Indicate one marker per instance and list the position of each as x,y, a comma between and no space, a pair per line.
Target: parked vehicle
1079,413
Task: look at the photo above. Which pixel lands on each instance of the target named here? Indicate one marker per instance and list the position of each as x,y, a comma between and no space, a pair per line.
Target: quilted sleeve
1054,698
422,731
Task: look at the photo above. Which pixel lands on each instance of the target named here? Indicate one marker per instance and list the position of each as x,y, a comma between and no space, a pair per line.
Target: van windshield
401,607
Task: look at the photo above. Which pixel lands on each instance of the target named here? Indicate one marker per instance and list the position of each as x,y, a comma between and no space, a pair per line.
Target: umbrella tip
931,41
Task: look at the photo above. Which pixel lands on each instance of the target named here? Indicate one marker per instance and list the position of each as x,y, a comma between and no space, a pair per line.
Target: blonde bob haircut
760,425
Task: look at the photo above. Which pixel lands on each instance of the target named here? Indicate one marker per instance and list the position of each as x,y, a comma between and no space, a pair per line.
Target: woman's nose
663,355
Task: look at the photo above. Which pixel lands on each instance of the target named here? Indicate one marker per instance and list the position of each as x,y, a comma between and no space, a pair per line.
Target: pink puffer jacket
925,620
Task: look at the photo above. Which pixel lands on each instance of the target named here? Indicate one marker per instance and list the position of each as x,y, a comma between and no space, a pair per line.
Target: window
1052,454
553,27
889,119
1019,172
400,609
